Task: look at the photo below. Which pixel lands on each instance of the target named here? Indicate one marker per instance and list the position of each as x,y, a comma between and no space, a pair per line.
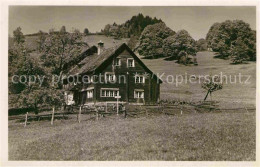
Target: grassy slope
232,95
205,136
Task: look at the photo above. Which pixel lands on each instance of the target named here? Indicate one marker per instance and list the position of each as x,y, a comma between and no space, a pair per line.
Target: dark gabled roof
78,59
94,63
90,63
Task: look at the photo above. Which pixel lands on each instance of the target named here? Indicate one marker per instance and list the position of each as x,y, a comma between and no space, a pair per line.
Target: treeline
132,27
233,40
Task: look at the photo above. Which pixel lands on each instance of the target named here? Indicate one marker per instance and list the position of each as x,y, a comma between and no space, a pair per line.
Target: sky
196,20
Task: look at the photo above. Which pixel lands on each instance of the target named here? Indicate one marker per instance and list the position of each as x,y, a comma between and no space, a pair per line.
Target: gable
95,64
124,53
124,57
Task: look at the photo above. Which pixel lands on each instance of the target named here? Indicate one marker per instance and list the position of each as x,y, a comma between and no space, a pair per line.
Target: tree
17,57
106,30
18,35
133,42
86,31
132,27
151,40
63,29
211,35
179,47
212,84
222,36
60,48
239,52
41,39
22,94
251,43
201,44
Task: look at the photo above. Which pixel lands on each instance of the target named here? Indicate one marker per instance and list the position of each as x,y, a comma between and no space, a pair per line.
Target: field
237,95
195,136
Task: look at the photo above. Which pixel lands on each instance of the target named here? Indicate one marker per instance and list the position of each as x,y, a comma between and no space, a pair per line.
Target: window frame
133,64
139,80
107,79
138,96
119,62
109,92
90,91
90,94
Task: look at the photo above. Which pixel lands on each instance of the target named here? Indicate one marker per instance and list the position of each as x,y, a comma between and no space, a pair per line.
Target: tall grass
204,136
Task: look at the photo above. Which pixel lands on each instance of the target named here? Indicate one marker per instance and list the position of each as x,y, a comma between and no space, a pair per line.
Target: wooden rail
99,113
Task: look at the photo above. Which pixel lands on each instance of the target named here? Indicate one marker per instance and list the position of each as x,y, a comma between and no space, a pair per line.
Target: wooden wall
125,81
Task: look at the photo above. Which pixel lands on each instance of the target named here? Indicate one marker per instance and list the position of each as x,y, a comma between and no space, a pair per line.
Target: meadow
233,95
218,136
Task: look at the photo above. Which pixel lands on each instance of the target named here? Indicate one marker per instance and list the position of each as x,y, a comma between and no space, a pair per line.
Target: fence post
79,114
125,112
246,109
181,109
26,117
52,117
97,114
117,108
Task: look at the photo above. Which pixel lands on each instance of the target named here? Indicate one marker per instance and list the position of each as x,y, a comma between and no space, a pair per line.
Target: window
118,62
109,92
92,79
110,77
139,94
103,93
139,79
90,94
130,62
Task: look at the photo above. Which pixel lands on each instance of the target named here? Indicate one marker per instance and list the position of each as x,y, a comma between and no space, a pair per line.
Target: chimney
100,47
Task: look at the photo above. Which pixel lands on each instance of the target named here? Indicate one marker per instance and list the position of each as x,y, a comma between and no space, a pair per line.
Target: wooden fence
101,112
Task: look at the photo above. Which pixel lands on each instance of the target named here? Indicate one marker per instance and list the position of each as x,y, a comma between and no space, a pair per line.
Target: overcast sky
196,20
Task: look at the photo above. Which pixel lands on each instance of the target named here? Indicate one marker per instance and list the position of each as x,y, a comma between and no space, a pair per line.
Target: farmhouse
109,73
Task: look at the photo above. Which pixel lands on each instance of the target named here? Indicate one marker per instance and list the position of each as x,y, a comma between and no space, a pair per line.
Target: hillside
231,96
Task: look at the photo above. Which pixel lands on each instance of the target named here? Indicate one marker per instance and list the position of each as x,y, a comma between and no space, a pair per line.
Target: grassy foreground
195,136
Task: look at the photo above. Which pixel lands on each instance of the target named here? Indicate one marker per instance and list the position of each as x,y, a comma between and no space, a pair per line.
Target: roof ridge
91,62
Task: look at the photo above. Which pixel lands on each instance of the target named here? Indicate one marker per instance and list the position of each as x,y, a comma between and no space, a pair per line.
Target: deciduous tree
179,46
86,31
60,48
223,36
212,84
151,40
18,36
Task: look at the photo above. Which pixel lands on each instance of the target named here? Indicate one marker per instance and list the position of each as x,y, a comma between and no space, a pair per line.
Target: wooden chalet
110,73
